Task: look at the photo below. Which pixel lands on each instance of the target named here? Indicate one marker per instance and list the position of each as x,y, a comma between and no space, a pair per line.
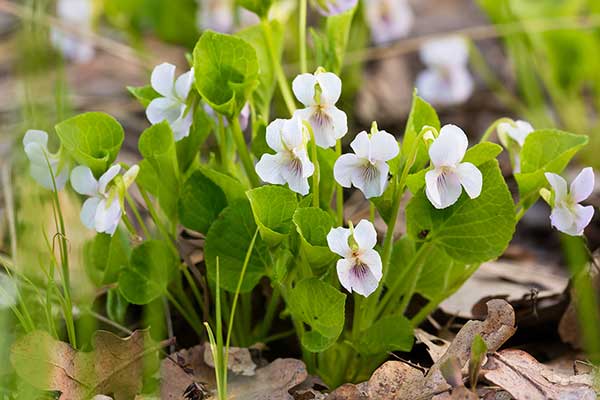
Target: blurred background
537,60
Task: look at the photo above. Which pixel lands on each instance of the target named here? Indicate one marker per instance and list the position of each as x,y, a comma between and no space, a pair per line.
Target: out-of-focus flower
172,106
42,161
367,169
103,209
447,79
8,291
360,269
74,14
443,183
389,20
568,215
512,136
319,92
328,8
219,16
290,164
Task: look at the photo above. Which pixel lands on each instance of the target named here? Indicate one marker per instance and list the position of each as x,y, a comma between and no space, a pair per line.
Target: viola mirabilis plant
272,218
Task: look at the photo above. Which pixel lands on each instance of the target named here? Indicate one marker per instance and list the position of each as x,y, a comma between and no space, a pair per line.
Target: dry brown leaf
396,380
436,347
182,369
500,279
526,379
239,360
347,391
496,329
269,383
114,367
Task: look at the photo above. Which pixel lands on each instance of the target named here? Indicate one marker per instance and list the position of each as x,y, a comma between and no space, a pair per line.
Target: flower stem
339,191
315,160
242,148
302,35
488,132
281,79
137,215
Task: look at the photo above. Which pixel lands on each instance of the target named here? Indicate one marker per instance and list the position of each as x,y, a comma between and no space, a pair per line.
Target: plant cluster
271,210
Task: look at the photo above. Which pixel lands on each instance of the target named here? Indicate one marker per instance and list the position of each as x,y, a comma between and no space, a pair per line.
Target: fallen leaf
496,329
500,279
347,391
436,346
526,379
396,380
182,369
115,366
239,360
269,383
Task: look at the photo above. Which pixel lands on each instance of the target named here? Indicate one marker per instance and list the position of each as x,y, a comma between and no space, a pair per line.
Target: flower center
360,269
295,165
369,172
320,117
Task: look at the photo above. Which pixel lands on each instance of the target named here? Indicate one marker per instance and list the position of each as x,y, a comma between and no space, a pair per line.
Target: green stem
488,132
276,64
302,35
242,148
371,212
155,218
194,286
137,215
129,225
315,161
270,313
339,191
194,323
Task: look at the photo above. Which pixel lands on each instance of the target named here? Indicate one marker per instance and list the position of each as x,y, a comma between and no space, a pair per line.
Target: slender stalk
302,35
129,225
276,64
137,215
488,132
155,218
221,369
235,298
315,160
194,287
371,212
270,313
188,317
242,148
339,191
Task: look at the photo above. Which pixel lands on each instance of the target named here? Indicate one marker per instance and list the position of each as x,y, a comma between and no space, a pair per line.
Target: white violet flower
290,164
103,209
443,183
446,80
329,8
517,132
367,169
389,20
568,215
319,92
512,136
35,144
360,269
171,107
76,14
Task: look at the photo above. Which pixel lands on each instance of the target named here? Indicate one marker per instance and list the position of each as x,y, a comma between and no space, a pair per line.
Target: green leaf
144,94
337,30
233,189
402,253
320,306
482,153
157,146
273,208
441,273
152,266
255,35
259,7
392,333
173,21
463,230
200,203
477,155
116,305
105,256
229,238
313,225
259,144
384,203
92,139
421,114
314,342
545,150
226,71
189,147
